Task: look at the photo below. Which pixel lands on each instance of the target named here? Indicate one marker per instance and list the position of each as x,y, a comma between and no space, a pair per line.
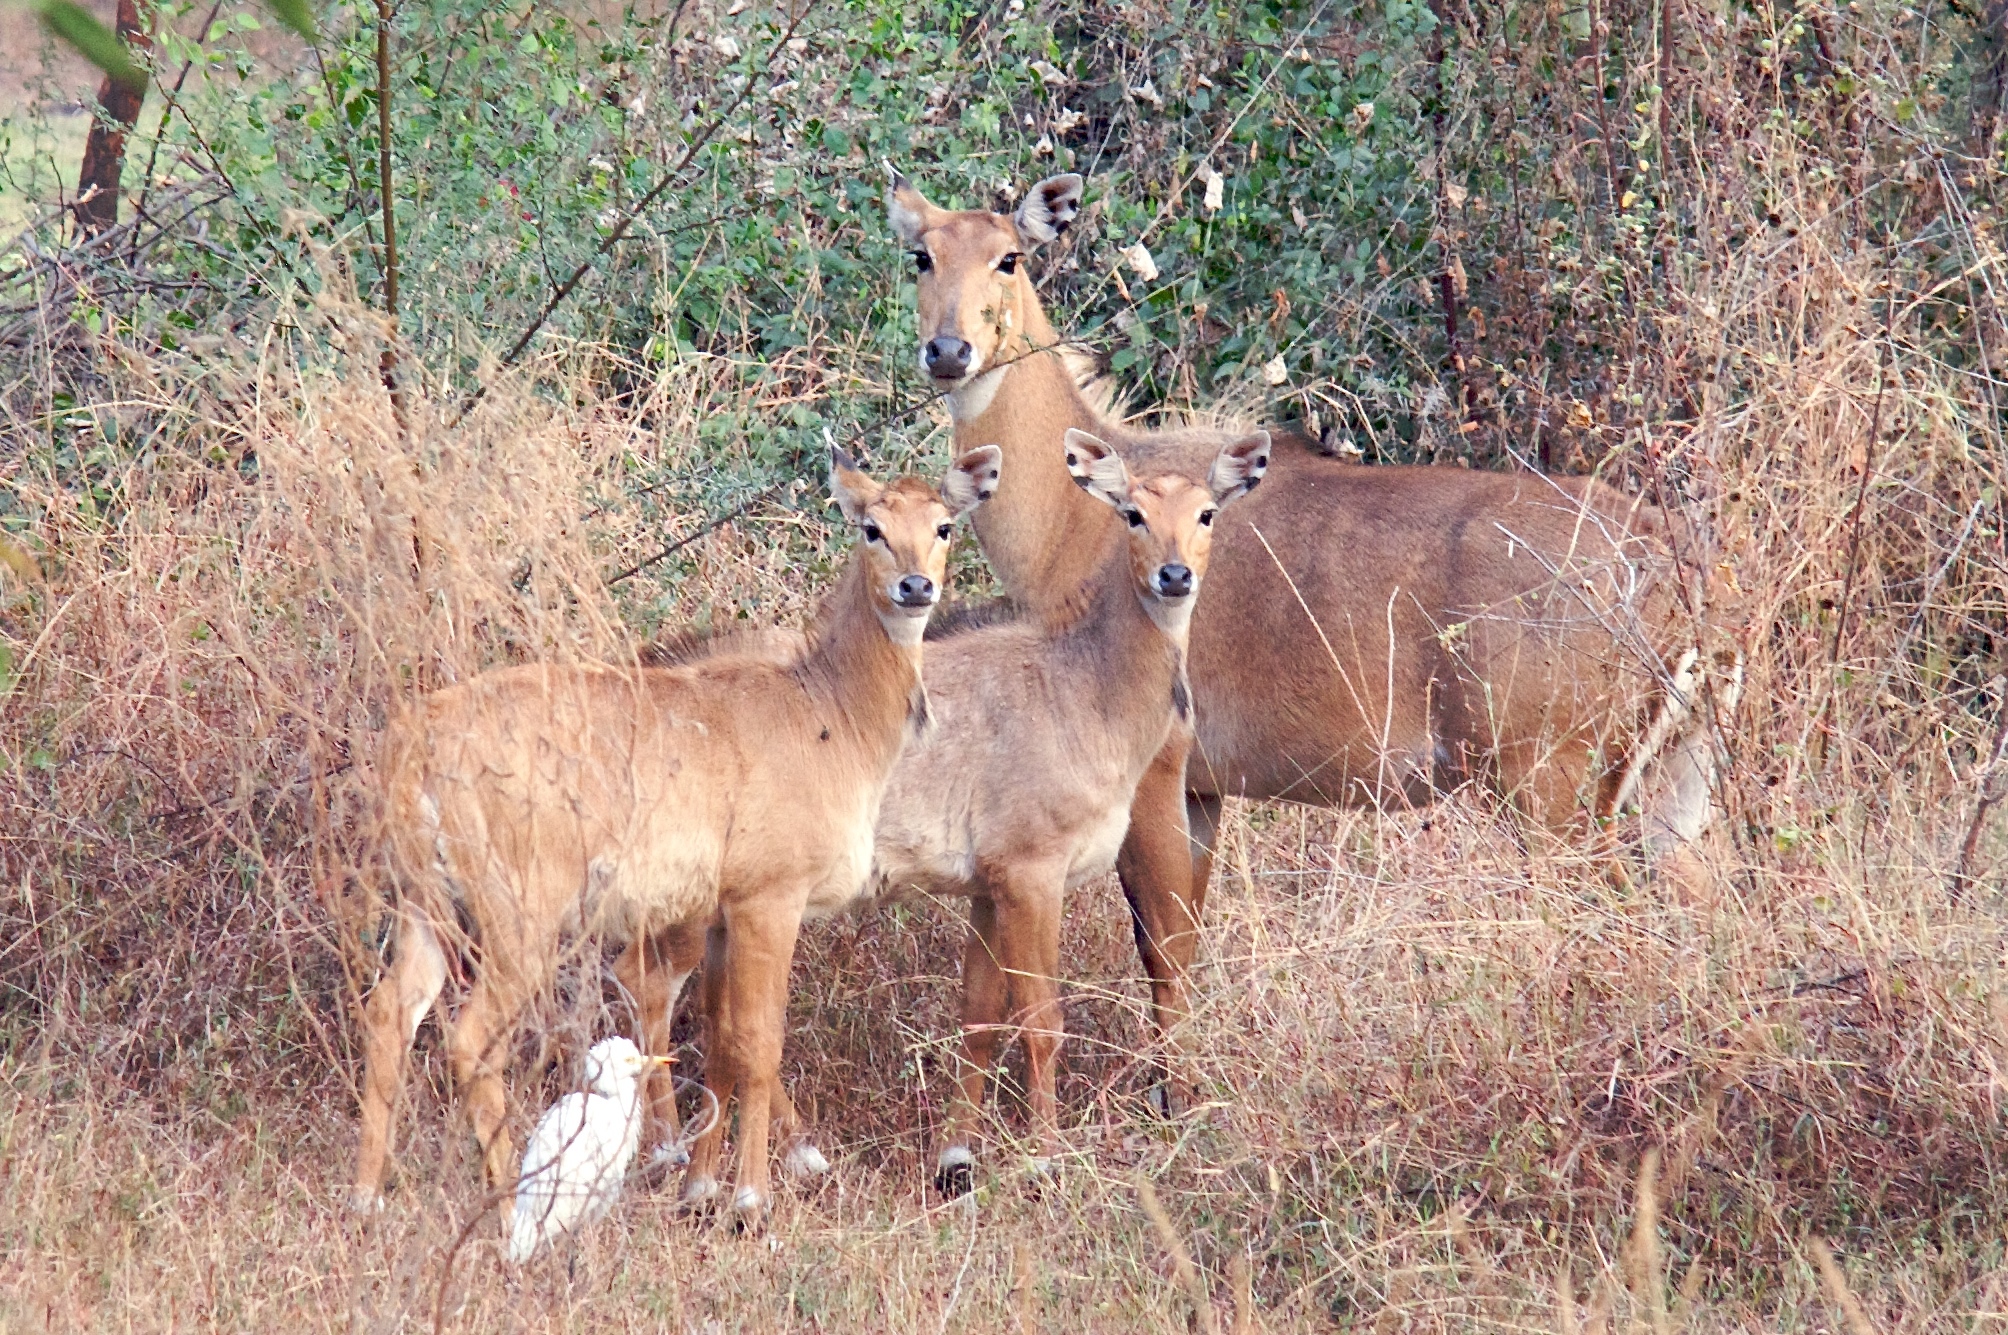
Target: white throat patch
1174,619
903,630
971,399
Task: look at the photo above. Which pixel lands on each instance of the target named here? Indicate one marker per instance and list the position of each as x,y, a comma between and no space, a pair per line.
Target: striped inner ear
1109,476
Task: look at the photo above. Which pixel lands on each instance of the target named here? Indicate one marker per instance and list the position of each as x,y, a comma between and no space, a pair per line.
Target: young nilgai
1021,787
534,804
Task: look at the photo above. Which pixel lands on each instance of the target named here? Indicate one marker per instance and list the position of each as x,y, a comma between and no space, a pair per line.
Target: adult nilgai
1368,636
544,801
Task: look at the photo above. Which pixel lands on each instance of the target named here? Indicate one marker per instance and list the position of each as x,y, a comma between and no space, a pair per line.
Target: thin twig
387,359
1841,615
166,118
620,229
1181,1258
1991,793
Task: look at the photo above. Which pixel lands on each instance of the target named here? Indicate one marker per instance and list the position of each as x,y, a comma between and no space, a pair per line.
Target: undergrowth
1742,261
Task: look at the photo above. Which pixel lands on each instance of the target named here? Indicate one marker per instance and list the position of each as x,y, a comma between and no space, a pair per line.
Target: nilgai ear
1050,208
1239,466
908,210
972,479
851,489
1097,468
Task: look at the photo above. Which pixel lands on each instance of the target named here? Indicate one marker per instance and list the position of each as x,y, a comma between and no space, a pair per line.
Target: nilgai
534,804
1374,636
1020,789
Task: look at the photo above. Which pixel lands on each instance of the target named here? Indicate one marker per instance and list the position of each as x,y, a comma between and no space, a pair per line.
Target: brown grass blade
1648,1277
1565,1305
1242,1277
1181,1258
1837,1288
1021,1297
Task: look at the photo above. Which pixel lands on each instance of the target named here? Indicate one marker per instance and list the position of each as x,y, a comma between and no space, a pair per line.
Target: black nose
947,358
1174,581
916,591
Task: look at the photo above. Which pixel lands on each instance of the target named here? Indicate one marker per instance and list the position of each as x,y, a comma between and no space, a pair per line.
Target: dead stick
1990,794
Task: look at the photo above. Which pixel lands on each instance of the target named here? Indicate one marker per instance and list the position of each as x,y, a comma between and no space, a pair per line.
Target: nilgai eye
873,533
944,531
922,262
1135,518
1009,264
1206,516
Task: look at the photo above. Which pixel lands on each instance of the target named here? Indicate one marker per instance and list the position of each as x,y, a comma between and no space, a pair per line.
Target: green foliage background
1368,149
1464,233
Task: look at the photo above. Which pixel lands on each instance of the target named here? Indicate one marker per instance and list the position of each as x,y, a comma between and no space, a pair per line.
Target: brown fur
685,645
1368,636
547,801
1077,701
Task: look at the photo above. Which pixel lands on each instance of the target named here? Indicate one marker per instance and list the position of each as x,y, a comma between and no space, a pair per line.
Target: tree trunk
104,151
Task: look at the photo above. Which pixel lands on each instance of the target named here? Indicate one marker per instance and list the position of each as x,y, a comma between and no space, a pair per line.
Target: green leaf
93,40
295,15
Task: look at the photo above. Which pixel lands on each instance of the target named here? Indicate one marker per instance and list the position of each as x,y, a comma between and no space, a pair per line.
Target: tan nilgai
1019,790
538,803
1369,636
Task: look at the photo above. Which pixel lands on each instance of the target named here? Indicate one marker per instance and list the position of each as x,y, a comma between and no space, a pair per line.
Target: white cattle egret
579,1154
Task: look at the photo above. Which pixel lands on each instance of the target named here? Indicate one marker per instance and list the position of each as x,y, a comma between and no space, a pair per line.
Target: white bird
579,1154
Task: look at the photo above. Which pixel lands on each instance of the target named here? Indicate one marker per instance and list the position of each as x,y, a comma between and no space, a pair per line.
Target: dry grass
1451,1083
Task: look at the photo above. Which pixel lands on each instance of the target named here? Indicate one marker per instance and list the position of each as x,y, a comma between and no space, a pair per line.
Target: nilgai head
970,270
1169,516
904,531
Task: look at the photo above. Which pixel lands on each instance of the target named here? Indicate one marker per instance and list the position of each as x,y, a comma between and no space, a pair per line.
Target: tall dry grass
1450,1083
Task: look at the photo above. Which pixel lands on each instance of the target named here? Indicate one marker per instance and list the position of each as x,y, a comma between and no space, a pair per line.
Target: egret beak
662,1061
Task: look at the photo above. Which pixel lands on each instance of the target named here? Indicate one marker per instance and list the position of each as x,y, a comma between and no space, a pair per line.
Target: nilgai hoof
955,1173
699,1193
749,1210
805,1160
